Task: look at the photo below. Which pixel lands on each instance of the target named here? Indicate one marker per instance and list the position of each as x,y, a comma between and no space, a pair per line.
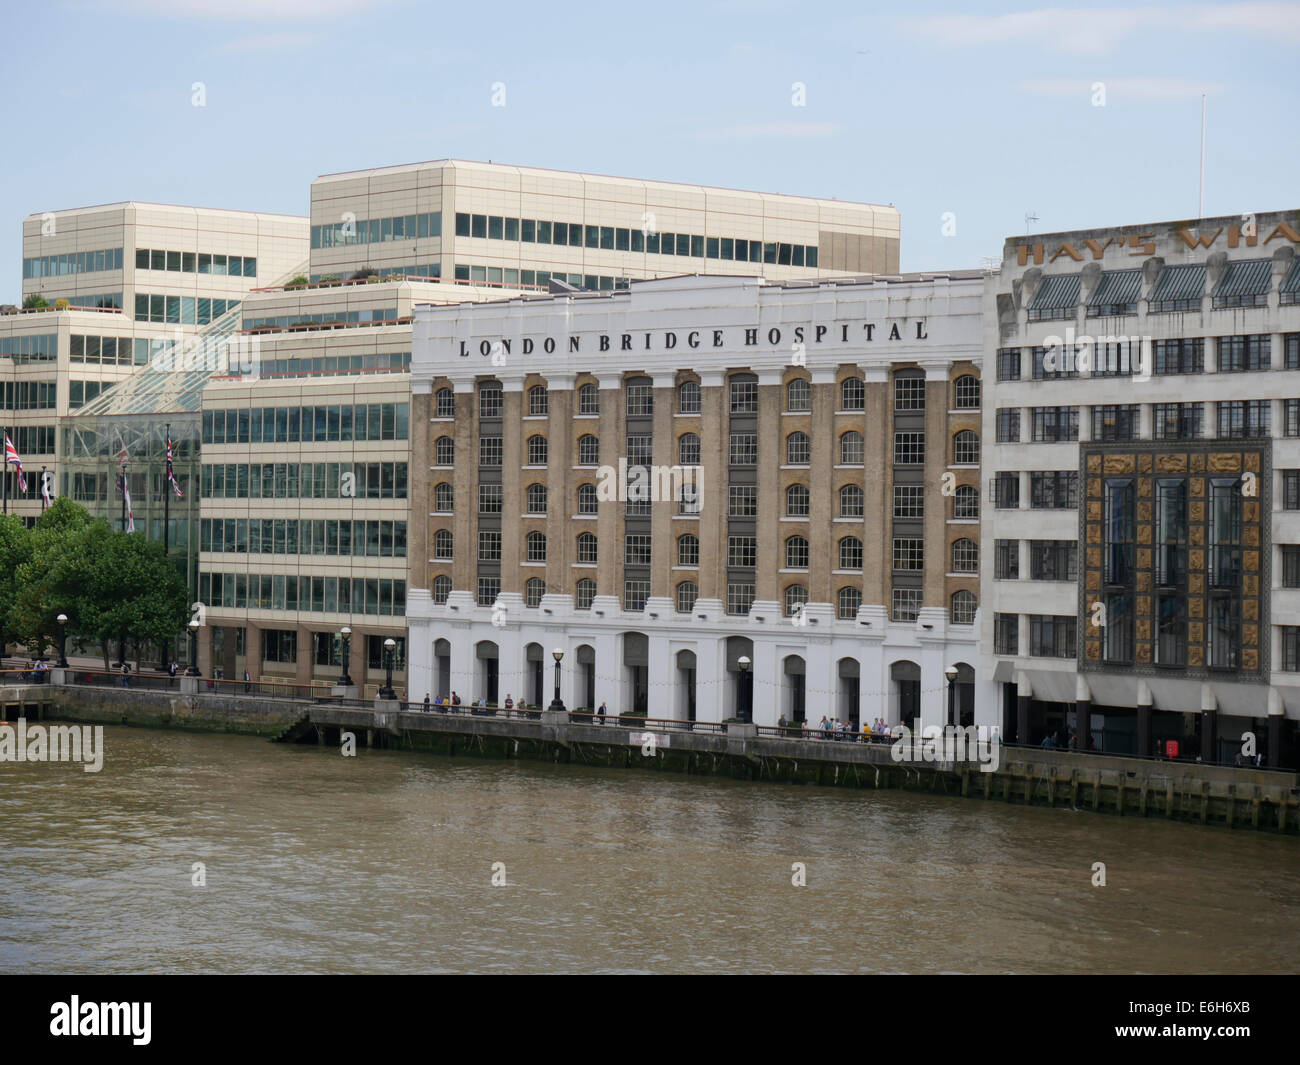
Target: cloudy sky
969,114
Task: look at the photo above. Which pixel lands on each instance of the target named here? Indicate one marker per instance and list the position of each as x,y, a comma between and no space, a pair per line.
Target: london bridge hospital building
717,496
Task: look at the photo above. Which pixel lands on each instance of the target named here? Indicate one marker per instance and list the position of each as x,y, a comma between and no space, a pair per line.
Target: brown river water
384,862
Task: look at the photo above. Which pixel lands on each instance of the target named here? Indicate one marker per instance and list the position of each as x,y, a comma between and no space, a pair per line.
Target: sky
967,117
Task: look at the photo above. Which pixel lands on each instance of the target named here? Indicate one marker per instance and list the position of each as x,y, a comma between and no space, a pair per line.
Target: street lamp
193,671
951,674
386,692
557,704
346,679
62,619
745,710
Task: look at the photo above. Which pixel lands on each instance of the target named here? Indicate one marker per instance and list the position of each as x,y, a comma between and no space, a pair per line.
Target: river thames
385,862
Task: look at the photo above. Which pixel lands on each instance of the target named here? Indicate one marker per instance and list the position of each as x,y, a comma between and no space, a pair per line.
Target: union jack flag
11,457
171,473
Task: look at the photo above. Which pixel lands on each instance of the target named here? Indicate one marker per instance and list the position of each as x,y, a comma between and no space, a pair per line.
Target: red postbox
1171,748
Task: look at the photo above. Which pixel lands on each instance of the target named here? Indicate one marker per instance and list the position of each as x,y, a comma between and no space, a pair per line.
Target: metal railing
115,678
264,689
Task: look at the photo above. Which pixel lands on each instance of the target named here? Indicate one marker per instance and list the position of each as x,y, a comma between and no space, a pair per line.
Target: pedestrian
426,702
247,685
510,703
601,712
126,675
455,698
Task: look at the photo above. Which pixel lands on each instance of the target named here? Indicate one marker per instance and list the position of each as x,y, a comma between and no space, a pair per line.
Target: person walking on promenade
247,685
601,712
126,675
426,701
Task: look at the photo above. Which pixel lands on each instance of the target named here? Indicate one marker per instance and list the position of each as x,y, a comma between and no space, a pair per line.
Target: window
689,497
489,546
1053,560
798,449
1008,425
444,451
687,593
1051,636
796,501
586,592
1291,565
847,601
280,645
688,450
1290,489
588,500
442,545
965,556
853,394
744,397
1225,632
906,604
852,449
1119,531
744,449
635,593
1291,417
1290,648
640,400
443,498
909,393
688,397
1115,358
909,553
538,450
636,550
688,550
966,448
588,450
1244,353
742,501
441,589
1006,634
490,451
588,400
538,401
536,547
909,448
1006,560
794,599
489,400
534,589
1055,424
742,551
1171,532
963,608
1179,356
537,499
1225,533
967,392
798,396
445,404
851,502
1243,418
1115,422
587,553
796,553
850,553
740,597
966,503
1054,490
488,590
489,498
1176,421
909,501
1008,364
1171,630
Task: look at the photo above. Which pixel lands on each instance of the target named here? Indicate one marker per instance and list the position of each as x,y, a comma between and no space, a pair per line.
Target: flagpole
167,521
6,478
42,489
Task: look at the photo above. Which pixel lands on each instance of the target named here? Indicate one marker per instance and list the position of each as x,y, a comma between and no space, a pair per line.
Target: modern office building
288,558
1142,449
717,496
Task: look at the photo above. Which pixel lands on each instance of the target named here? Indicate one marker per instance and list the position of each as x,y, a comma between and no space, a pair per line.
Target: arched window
441,589
588,450
850,553
966,447
798,449
537,499
586,592
688,550
444,451
965,556
538,401
847,601
489,399
798,396
853,394
444,496
688,397
796,501
796,552
963,608
967,391
689,496
588,502
442,544
688,450
639,397
966,502
851,449
851,505
533,592
796,595
444,404
538,450
588,400
536,547
587,547
687,593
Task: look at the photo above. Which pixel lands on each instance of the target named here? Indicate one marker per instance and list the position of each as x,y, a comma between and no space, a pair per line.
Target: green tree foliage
15,550
34,300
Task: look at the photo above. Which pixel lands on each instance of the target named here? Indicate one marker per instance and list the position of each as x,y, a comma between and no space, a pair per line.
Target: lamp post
62,619
386,692
193,671
744,709
557,704
346,679
951,674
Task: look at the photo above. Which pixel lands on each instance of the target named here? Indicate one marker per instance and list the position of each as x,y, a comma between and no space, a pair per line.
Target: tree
136,592
298,281
15,550
34,301
365,272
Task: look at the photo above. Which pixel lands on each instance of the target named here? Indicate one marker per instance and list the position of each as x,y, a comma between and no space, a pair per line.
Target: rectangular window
909,393
744,449
636,550
909,553
640,400
744,397
1244,419
1006,490
1008,425
1006,560
491,450
1290,649
1238,354
740,597
1054,490
742,501
1006,634
1118,630
1290,489
909,501
906,604
1176,421
1115,422
1051,636
742,551
1291,565
1055,424
909,448
1053,560
1008,364
1179,356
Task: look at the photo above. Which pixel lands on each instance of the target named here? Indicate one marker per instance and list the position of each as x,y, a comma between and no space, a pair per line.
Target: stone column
938,453
609,673
710,680
561,488
609,522
465,520
877,487
514,455
661,676
662,510
714,425
770,504
252,653
824,452
1024,694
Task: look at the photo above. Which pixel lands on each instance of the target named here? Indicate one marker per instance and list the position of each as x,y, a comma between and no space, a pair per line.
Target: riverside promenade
1250,798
